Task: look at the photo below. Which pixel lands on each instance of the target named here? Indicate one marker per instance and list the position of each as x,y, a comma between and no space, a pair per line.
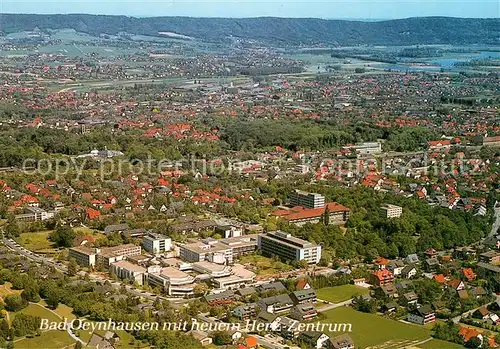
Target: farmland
340,293
369,330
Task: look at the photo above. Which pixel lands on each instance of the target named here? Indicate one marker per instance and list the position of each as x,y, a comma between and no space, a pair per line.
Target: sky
331,9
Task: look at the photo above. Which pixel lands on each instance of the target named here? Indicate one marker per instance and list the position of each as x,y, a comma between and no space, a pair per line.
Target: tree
78,345
474,342
14,302
12,229
72,267
31,292
63,236
222,338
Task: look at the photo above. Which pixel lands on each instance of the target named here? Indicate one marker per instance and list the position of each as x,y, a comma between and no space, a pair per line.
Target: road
496,224
331,306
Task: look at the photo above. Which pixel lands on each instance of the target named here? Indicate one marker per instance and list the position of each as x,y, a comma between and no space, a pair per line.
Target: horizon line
357,19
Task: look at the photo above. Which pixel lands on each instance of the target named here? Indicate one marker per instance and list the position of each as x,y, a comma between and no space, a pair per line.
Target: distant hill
294,31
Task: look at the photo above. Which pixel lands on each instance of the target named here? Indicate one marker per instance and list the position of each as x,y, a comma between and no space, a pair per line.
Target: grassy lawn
50,339
6,289
370,330
438,344
35,241
339,294
37,310
265,266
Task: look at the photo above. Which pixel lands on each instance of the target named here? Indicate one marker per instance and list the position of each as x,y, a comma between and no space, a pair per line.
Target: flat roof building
289,247
156,243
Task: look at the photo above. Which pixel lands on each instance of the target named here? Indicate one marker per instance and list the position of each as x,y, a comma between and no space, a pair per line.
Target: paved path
331,306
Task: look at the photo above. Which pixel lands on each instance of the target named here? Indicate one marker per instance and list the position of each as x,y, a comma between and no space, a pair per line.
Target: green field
439,344
339,294
370,330
65,312
48,340
35,241
37,310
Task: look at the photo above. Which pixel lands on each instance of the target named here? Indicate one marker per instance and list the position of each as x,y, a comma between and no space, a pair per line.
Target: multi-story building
218,251
392,211
337,214
207,250
289,247
110,255
307,200
245,311
156,243
34,214
126,270
381,277
83,255
174,282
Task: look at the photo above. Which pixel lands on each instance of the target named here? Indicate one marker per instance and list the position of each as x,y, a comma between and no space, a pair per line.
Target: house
381,277
343,341
463,294
381,262
467,333
201,337
98,341
276,304
276,286
409,299
431,264
456,284
389,307
303,285
272,320
245,311
251,342
386,291
492,257
359,282
478,292
303,312
288,328
439,278
226,297
412,259
481,313
304,296
408,272
396,266
422,315
313,339
469,274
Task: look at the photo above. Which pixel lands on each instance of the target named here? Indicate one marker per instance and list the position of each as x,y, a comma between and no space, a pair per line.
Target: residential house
456,284
431,264
343,341
408,272
304,296
277,304
386,291
201,337
245,311
303,312
422,315
313,339
381,277
492,257
469,274
396,266
412,259
409,299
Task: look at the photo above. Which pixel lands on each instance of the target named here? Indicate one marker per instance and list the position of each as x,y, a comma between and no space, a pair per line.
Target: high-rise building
289,247
307,200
